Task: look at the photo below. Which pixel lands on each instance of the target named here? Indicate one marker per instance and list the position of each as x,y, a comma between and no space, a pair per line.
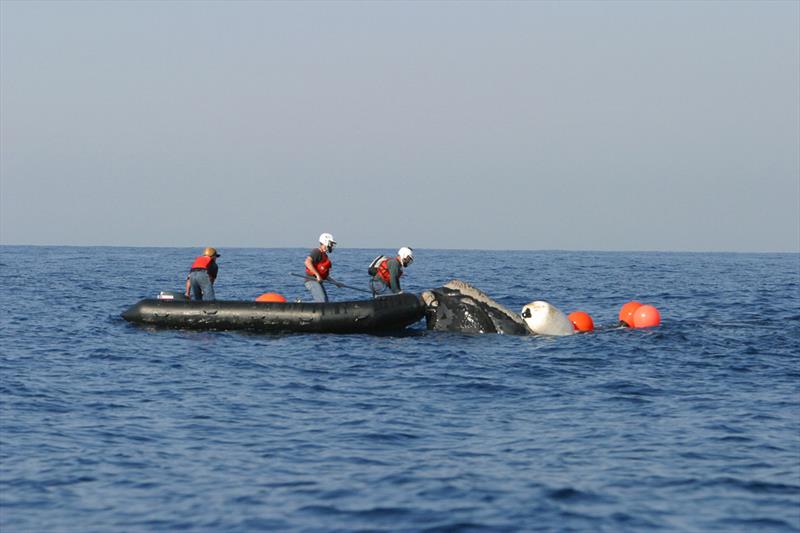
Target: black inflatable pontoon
387,313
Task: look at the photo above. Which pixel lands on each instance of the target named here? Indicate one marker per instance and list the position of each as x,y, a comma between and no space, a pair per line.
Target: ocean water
690,426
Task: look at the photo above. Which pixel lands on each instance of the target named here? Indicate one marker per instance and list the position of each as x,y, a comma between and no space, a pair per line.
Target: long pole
310,278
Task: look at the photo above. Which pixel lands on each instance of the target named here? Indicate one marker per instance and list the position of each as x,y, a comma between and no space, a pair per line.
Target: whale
544,318
457,306
460,307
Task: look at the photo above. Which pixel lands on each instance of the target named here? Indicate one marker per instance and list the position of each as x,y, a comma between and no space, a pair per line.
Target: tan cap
210,252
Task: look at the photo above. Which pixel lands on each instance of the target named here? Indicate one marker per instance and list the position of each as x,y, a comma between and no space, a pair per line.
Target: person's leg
201,286
317,291
194,286
207,286
377,287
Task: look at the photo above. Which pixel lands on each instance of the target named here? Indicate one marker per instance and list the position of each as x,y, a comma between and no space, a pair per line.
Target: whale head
458,306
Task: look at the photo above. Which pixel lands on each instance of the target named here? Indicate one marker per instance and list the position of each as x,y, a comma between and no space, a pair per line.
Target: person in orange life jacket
318,266
389,271
202,275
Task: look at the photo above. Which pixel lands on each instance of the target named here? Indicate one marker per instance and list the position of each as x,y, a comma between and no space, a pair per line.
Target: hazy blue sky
520,125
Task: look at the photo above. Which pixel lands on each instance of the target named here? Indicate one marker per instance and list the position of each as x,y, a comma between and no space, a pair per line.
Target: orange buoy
626,313
270,297
581,321
646,316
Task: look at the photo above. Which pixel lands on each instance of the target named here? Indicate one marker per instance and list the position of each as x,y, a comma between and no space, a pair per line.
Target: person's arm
394,276
213,269
188,285
310,267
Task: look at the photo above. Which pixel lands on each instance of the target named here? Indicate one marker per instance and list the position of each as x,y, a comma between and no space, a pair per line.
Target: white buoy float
545,319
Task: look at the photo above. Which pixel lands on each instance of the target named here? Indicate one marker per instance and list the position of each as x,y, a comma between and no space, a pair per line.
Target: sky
626,126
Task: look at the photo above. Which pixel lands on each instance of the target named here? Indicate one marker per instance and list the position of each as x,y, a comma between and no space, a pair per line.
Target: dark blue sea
690,426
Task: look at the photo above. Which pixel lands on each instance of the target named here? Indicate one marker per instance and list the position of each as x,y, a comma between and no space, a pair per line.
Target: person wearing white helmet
318,267
386,271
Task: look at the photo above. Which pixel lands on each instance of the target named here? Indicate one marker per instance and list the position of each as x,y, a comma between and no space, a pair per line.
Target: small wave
68,481
467,527
375,512
757,487
659,481
630,388
573,495
628,399
357,460
732,438
483,386
255,524
757,524
386,438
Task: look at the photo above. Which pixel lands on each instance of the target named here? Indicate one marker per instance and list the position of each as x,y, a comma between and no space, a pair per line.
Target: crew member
389,270
202,275
318,267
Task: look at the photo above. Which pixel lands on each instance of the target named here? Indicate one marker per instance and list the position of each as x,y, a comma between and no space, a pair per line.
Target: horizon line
302,247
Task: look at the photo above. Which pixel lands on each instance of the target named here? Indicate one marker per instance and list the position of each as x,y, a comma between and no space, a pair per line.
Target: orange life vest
383,272
202,262
323,267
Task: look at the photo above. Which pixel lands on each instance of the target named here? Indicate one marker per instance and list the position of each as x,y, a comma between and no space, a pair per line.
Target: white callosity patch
429,299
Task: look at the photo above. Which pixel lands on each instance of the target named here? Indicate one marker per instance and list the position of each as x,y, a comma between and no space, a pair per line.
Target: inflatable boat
383,314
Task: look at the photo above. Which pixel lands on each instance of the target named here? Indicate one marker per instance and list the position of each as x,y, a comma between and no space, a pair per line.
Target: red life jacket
383,272
323,267
202,262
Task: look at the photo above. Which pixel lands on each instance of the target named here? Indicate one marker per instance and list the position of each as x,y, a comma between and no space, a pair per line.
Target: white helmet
406,255
326,239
